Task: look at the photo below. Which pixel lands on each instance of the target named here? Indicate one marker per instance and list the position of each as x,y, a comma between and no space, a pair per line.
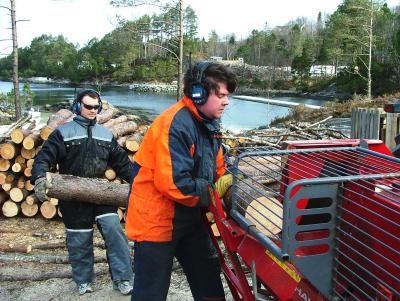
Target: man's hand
41,185
223,183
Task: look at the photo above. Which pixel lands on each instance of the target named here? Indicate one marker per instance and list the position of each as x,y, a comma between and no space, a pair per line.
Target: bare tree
17,101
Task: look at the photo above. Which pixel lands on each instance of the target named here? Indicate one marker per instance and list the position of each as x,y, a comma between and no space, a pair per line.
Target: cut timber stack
18,151
17,156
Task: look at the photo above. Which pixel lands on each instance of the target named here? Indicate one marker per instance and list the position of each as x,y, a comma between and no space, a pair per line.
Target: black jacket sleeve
119,161
52,150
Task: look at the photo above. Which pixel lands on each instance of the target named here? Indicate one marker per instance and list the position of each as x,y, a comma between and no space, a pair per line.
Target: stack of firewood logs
289,131
18,152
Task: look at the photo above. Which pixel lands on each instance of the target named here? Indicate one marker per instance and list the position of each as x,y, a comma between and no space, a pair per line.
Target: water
239,115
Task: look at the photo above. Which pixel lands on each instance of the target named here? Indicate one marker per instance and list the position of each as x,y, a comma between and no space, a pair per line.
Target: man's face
89,107
216,102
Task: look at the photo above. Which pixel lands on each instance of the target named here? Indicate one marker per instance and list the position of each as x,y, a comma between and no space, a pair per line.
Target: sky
81,20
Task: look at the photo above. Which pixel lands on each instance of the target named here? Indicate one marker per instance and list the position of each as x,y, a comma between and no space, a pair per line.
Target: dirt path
36,231
65,290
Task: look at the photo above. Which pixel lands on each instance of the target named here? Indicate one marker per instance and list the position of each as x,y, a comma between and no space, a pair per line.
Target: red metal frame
281,279
374,145
365,209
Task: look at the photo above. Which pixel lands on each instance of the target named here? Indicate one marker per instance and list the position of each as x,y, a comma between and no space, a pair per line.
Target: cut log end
17,135
8,151
48,210
29,210
4,164
31,199
266,214
28,153
31,141
10,209
110,174
45,132
17,194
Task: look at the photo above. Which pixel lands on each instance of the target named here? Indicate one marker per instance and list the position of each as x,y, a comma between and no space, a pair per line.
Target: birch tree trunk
17,100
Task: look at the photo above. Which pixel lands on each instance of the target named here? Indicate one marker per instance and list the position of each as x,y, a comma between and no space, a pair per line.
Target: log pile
274,137
18,151
22,144
36,250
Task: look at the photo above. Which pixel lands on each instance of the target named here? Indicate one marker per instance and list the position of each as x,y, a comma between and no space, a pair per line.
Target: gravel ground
37,231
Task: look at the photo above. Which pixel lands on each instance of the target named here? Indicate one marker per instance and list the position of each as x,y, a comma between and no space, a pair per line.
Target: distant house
322,70
326,70
220,59
216,58
39,79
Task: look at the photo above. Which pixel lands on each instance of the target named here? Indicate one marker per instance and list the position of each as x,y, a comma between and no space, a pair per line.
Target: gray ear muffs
198,93
76,105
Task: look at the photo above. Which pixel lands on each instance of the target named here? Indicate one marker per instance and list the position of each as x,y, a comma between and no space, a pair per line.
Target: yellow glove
211,193
223,183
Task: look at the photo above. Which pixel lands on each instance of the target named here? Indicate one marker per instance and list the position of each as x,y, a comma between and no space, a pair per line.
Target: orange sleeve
221,166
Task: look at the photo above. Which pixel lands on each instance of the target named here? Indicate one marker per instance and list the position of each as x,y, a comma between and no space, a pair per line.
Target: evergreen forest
359,45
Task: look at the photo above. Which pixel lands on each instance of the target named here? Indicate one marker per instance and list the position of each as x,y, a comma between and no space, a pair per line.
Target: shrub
282,84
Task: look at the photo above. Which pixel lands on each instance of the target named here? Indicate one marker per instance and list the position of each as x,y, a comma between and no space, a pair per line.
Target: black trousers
195,253
81,215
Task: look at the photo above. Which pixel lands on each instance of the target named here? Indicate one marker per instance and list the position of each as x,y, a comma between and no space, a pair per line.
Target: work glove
223,183
41,185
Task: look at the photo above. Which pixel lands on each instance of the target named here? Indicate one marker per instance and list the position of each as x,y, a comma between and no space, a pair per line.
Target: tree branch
162,47
140,3
7,8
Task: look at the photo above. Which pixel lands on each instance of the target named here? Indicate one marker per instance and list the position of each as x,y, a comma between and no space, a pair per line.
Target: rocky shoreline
153,87
330,93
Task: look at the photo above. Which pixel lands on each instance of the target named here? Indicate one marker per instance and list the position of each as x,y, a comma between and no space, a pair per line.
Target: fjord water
239,115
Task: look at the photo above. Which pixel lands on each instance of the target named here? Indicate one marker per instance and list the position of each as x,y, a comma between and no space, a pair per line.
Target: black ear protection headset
198,93
76,105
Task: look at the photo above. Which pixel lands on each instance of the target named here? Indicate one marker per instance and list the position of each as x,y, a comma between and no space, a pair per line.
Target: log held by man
89,190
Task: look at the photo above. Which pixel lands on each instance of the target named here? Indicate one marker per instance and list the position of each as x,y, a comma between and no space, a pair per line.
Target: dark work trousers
79,219
197,256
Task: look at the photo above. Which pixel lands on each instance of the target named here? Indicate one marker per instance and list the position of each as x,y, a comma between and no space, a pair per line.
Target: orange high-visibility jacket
178,158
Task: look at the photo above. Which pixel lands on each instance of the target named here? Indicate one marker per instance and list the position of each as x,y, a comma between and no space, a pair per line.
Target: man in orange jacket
179,159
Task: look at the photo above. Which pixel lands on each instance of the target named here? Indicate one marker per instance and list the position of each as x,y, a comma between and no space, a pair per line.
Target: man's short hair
88,92
213,74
